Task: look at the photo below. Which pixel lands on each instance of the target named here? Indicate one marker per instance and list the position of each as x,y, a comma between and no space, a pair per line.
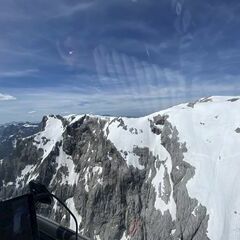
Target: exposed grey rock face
10,136
202,100
233,99
237,130
10,133
112,198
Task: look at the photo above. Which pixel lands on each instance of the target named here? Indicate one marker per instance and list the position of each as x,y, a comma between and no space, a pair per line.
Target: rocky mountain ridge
125,178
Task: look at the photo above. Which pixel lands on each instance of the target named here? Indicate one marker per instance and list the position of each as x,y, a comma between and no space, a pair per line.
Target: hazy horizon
120,57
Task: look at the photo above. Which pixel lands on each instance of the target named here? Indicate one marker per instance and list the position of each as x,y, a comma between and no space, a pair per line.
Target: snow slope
209,130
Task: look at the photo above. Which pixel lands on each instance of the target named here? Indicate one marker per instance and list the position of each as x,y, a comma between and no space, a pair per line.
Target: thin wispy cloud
6,97
31,112
18,73
118,101
64,10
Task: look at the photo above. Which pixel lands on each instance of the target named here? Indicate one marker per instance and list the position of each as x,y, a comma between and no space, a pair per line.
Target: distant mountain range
170,175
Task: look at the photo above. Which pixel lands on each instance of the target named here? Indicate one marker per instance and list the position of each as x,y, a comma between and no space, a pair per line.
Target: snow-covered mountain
170,175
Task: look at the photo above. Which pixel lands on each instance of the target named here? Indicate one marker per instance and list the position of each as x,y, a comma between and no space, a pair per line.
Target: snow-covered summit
172,174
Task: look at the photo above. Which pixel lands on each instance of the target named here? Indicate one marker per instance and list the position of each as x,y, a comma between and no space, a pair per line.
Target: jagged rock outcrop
134,193
172,175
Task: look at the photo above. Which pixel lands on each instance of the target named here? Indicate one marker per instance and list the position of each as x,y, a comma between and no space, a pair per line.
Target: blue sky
115,57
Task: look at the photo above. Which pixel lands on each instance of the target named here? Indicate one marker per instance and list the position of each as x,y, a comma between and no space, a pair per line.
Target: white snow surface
27,170
71,205
213,149
47,140
30,125
65,160
208,128
52,133
125,236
